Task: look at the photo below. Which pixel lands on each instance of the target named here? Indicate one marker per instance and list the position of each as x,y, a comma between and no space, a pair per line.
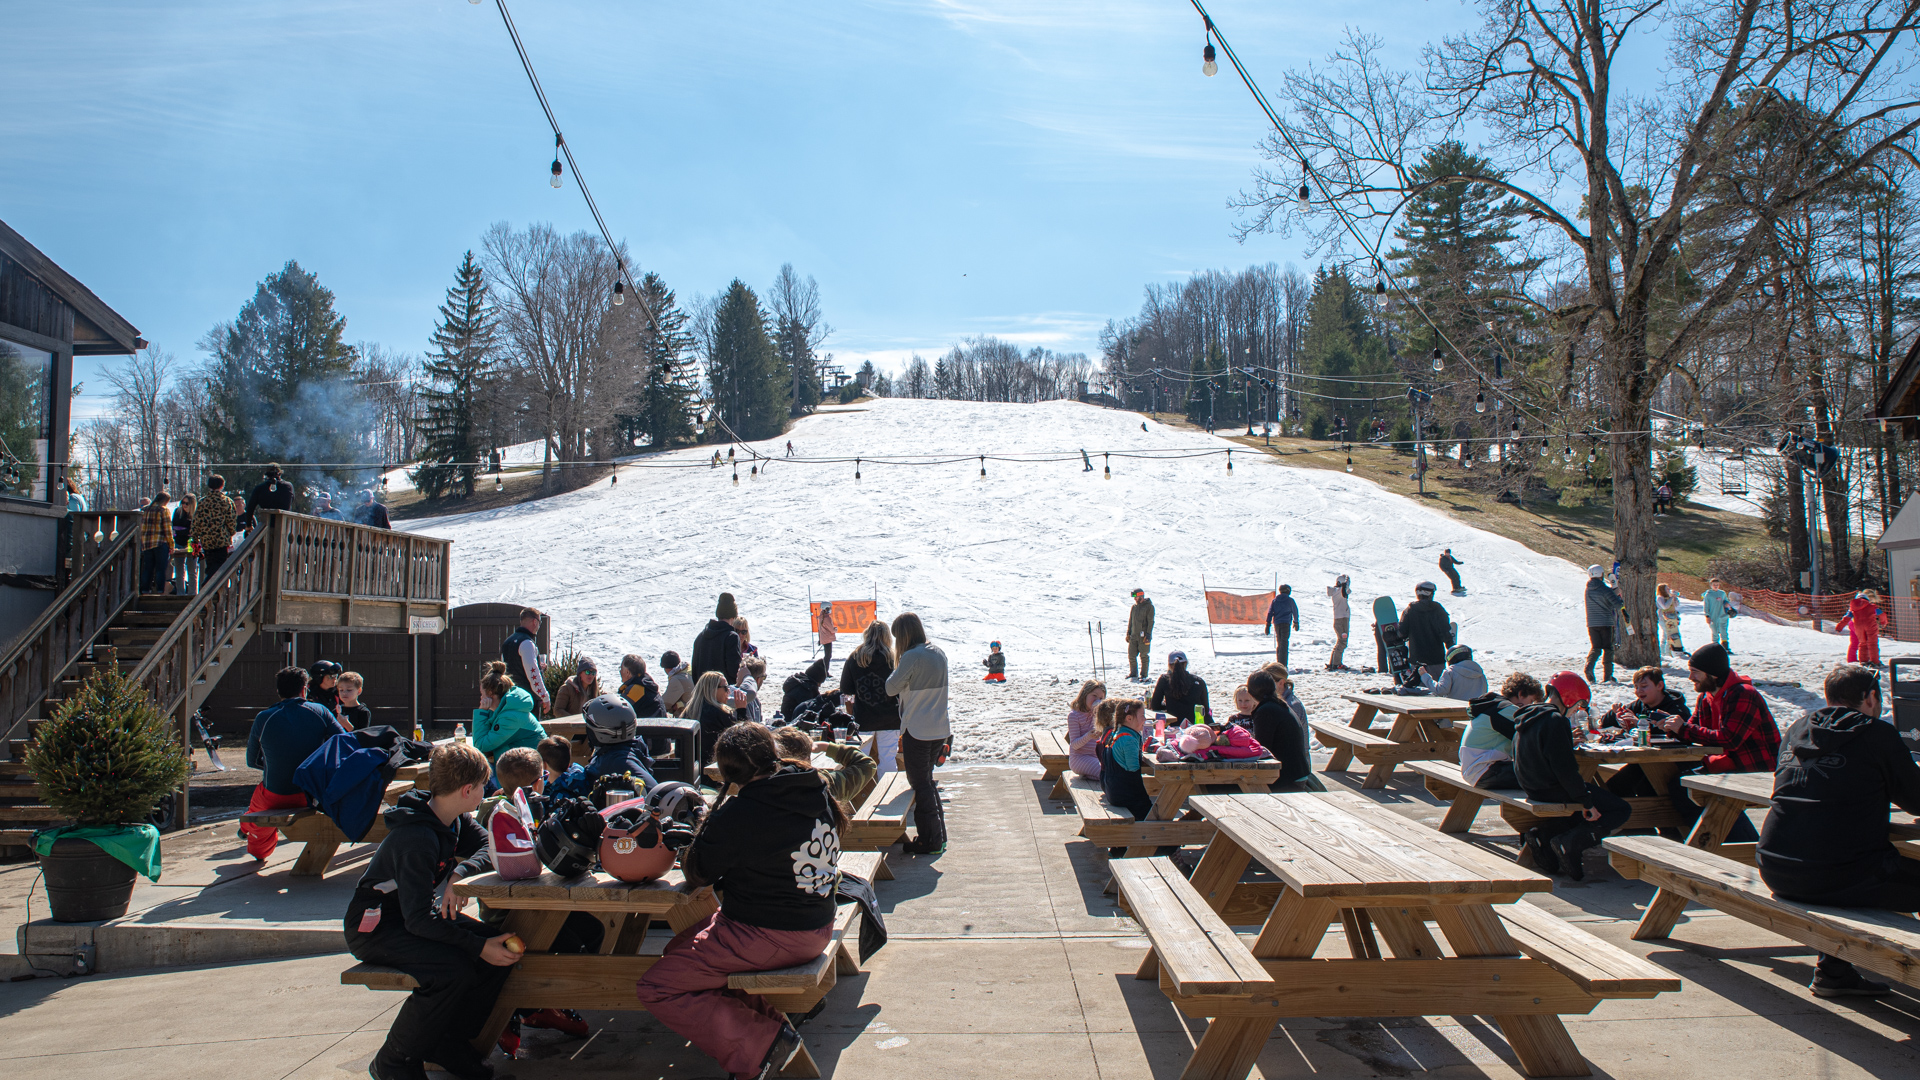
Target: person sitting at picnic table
505,717
1544,764
353,715
801,687
396,919
281,738
1825,839
1121,749
1463,679
712,706
1655,702
1276,727
1283,680
614,733
679,688
1728,713
1179,691
566,778
772,851
579,688
1082,757
637,686
851,772
1486,750
323,685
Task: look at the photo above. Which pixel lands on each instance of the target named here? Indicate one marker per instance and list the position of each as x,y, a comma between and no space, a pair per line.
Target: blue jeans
154,563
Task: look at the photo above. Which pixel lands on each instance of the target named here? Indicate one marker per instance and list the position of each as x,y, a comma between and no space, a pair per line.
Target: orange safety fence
1903,615
1233,608
849,616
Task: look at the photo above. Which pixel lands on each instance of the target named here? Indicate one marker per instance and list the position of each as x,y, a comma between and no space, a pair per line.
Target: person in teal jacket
1719,610
505,718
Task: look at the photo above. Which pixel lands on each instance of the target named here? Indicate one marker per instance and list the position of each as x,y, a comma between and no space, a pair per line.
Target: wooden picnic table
1660,762
1171,822
1423,729
1723,798
1342,858
321,837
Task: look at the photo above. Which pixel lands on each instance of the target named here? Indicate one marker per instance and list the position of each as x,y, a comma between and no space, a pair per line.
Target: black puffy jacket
1428,631
1178,692
716,649
1543,756
873,707
1827,831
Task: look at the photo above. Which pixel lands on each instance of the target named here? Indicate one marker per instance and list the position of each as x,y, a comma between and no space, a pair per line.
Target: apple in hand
514,944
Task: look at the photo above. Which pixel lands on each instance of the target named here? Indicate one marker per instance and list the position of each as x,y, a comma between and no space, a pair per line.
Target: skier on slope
1447,564
1863,621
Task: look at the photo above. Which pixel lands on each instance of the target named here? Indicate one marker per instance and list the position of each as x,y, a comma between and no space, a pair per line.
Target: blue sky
942,168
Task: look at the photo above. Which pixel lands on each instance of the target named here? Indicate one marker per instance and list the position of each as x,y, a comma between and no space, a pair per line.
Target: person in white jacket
1338,593
919,680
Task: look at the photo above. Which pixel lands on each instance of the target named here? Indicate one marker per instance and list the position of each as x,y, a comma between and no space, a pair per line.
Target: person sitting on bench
772,850
1548,772
396,920
1486,750
1730,714
1825,840
851,772
281,738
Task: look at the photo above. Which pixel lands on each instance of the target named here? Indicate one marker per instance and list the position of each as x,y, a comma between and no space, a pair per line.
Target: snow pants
929,817
1139,658
457,990
688,991
1339,656
1453,576
261,839
1720,631
1863,647
1280,636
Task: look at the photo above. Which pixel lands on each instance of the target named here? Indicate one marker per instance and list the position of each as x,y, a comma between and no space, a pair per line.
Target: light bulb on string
556,161
736,476
619,293
1569,452
983,467
1207,66
498,484
1349,462
856,468
753,472
1305,197
1546,447
1439,360
1229,462
1380,287
1480,402
1106,465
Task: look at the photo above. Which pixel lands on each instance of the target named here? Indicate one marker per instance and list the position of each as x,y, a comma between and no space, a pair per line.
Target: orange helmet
1573,689
631,846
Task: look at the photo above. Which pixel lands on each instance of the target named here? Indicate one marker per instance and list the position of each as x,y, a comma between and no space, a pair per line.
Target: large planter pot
84,883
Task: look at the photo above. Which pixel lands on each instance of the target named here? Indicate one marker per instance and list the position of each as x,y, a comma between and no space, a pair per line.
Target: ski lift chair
1733,475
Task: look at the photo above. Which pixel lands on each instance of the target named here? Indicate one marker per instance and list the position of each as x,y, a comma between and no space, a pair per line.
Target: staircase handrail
195,636
61,634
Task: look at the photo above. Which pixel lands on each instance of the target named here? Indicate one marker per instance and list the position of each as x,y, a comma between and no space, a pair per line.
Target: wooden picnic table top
593,891
1625,753
1756,789
1413,706
1340,845
1259,768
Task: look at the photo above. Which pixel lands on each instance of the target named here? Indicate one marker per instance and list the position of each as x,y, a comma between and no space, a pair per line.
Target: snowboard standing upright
1390,642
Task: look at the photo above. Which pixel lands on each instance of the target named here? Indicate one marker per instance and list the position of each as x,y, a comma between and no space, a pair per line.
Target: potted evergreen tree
105,759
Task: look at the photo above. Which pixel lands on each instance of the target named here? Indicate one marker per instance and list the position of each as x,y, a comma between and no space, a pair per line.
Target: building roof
1901,399
98,330
1904,530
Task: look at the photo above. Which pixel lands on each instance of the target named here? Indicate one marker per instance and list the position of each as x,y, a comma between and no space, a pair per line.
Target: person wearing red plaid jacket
1731,715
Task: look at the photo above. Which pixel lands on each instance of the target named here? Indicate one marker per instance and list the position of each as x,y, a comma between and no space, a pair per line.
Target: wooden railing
106,577
335,575
194,641
108,525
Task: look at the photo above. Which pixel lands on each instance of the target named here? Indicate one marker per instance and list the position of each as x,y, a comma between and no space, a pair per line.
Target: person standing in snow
1603,604
1337,593
717,648
1863,621
1447,564
1428,629
1719,609
1283,618
1666,603
827,634
1139,636
995,663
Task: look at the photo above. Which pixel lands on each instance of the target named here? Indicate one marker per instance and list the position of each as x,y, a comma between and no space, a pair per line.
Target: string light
619,292
1439,360
1229,462
1207,66
1106,465
556,161
1305,198
736,476
1480,402
856,468
1349,462
983,466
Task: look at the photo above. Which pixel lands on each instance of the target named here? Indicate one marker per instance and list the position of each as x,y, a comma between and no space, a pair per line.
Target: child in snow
1863,621
995,663
1120,753
1719,610
1666,603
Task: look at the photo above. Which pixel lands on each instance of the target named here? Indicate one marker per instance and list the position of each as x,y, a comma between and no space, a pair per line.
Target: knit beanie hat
726,609
1711,659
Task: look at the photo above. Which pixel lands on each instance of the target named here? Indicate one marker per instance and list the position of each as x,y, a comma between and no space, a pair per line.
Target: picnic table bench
1051,747
880,821
308,826
1660,763
1445,781
1342,858
537,907
1423,729
1170,823
1723,797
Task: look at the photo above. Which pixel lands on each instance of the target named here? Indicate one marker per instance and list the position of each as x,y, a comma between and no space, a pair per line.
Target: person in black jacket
718,646
271,493
1179,691
1543,762
394,920
802,687
1428,630
1279,730
864,679
773,852
1825,840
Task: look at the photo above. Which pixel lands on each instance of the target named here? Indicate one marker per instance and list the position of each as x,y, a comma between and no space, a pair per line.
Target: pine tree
750,394
667,394
108,755
461,370
1340,345
1455,252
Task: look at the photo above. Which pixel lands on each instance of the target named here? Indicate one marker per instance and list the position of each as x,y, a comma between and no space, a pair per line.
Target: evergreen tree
667,393
1340,345
280,384
750,394
461,370
1456,237
943,386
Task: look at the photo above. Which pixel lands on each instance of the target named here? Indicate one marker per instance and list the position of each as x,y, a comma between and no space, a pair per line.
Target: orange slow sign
1224,607
849,616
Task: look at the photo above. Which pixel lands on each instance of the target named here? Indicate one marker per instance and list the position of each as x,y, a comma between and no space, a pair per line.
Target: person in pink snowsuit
1863,621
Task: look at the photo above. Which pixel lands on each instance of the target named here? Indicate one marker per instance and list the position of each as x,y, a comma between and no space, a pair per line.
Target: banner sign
1225,608
849,616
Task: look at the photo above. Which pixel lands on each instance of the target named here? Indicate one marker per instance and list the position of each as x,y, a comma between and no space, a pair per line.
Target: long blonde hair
703,692
1087,690
877,641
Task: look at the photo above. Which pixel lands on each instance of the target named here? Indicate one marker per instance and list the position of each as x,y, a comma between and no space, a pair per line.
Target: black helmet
570,837
610,720
1459,653
322,668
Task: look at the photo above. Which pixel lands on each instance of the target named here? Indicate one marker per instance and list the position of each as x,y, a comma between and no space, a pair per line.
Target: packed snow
1031,556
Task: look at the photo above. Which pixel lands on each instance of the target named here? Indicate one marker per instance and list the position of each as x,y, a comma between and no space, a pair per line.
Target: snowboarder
789,447
1447,564
1863,620
1603,605
995,663
1283,618
1428,630
1139,636
1719,609
1667,603
1086,461
1337,594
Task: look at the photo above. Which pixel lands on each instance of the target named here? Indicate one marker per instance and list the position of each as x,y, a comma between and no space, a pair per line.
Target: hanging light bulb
736,476
619,293
1569,452
1439,361
983,466
856,468
1229,461
1349,462
1589,457
1106,465
1305,197
1480,402
1380,287
753,472
498,484
556,161
1207,66
1546,447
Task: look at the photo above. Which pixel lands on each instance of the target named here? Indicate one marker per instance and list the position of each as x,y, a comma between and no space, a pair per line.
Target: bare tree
799,328
139,383
1765,106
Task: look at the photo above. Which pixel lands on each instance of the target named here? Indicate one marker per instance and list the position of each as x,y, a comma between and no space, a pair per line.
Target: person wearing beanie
1603,612
718,646
1729,714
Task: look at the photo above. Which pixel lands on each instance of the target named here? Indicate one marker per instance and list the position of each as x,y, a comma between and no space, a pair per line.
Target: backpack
568,839
1236,743
510,839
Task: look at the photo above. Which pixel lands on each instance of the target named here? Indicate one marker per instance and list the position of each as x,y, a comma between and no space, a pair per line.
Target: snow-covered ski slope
1028,556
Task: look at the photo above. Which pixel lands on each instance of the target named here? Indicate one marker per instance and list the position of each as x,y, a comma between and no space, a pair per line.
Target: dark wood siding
29,305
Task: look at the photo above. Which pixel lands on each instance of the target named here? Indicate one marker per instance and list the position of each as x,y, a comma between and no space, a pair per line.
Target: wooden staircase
293,573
